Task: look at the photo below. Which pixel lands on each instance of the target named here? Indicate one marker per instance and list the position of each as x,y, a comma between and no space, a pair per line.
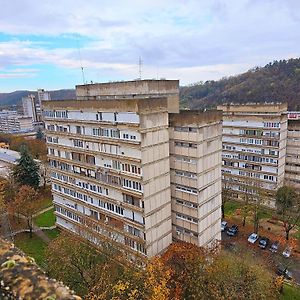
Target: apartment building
292,169
109,153
29,107
12,122
254,148
195,161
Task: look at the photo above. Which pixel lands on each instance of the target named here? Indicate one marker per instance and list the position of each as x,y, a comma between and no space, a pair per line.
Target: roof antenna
81,66
140,68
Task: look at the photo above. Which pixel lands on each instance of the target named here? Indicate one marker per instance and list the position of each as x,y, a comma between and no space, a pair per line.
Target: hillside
276,82
14,98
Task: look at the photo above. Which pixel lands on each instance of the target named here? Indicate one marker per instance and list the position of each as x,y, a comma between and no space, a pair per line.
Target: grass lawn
44,198
33,247
53,233
230,207
290,293
45,219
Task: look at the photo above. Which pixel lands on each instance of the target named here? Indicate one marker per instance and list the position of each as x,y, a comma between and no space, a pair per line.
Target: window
78,143
186,145
186,189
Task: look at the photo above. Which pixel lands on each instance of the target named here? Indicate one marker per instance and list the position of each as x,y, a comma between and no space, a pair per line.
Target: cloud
189,40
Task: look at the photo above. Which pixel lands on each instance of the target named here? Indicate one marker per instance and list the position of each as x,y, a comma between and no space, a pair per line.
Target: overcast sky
43,44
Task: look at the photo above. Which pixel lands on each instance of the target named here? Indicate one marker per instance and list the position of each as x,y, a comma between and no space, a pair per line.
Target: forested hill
14,98
276,82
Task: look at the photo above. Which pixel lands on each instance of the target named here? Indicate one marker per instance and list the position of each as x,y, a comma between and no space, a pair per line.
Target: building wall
292,168
29,108
131,89
195,149
254,148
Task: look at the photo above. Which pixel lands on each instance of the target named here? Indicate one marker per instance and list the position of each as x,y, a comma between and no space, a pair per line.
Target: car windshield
262,242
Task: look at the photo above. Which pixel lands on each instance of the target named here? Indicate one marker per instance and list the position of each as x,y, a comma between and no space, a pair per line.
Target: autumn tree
288,205
26,172
80,266
25,204
198,273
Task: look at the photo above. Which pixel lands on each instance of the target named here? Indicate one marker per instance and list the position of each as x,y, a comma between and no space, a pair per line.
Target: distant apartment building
12,122
109,153
29,107
254,148
292,170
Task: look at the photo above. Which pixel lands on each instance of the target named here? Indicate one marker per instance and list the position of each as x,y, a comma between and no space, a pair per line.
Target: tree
81,266
26,172
39,134
288,204
198,273
226,191
25,204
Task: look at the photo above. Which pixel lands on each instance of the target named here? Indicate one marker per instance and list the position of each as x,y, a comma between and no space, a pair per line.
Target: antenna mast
80,59
140,68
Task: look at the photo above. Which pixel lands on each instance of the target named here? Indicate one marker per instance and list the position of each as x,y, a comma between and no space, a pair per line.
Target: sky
45,44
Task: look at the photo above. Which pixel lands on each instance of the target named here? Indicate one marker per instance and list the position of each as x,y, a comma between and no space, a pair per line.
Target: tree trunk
244,221
287,233
29,223
223,211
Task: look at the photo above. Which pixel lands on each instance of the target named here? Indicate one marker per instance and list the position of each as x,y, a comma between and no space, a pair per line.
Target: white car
287,252
223,225
253,237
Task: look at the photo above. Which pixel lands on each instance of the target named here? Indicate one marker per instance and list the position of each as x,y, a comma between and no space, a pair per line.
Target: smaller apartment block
195,157
12,122
292,170
254,148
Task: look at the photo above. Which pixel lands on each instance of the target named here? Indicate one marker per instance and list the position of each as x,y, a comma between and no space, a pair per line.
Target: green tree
26,172
39,134
288,205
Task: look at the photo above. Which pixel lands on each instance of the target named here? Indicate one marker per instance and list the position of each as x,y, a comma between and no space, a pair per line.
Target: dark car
233,230
274,247
283,271
263,242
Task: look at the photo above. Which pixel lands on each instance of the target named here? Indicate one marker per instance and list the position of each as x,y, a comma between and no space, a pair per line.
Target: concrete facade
195,152
254,148
29,108
109,154
292,169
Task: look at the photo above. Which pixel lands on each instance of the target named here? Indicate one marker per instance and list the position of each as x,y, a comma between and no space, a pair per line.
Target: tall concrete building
29,107
195,152
292,170
254,148
109,153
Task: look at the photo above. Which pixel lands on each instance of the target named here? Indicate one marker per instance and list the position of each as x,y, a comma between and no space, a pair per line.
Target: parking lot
239,245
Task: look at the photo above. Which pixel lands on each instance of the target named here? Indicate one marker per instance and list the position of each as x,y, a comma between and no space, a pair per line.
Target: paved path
7,233
43,210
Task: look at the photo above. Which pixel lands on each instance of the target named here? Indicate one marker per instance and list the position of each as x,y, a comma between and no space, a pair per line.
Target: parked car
274,247
263,242
287,252
253,237
224,225
283,271
233,230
